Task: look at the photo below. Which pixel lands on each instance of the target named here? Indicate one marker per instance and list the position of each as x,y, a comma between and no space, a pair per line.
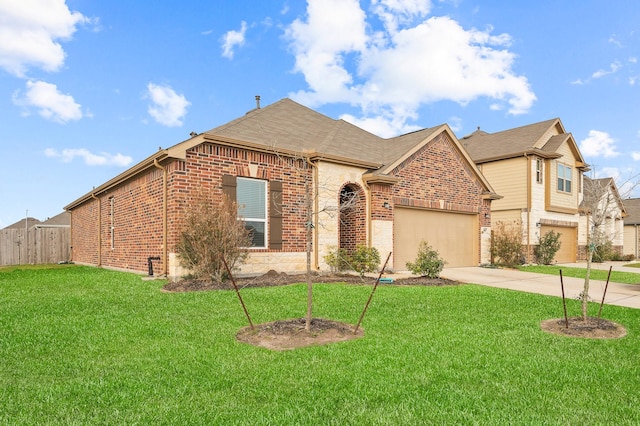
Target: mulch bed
273,278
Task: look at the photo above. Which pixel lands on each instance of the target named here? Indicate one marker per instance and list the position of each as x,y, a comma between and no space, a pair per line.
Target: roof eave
128,174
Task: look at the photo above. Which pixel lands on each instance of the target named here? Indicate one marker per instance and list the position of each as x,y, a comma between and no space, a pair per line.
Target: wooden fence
36,245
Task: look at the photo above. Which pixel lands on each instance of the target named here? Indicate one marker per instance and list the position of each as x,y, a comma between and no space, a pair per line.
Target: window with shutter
251,196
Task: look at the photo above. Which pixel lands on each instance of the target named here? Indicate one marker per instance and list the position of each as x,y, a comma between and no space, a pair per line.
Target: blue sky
90,88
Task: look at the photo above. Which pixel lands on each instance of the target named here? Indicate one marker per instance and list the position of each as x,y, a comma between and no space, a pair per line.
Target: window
538,170
251,196
564,178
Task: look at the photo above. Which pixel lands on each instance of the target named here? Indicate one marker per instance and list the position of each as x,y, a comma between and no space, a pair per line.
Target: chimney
258,101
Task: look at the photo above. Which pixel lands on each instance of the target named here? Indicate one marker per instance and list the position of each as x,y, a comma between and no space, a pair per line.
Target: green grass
89,346
633,265
596,274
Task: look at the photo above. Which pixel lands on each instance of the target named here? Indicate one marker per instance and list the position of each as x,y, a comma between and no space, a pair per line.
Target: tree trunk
585,290
309,226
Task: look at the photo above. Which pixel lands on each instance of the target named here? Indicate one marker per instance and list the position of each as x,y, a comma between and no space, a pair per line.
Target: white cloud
598,144
49,101
395,13
231,39
391,73
614,40
30,31
90,159
613,68
635,155
383,125
167,107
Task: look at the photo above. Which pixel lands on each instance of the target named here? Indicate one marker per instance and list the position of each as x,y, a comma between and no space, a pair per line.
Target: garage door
453,235
568,242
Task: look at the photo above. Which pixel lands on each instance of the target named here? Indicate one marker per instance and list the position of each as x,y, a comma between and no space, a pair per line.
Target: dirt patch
592,328
291,333
273,278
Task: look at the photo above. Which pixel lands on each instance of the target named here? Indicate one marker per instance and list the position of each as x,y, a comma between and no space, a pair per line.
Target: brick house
538,169
422,185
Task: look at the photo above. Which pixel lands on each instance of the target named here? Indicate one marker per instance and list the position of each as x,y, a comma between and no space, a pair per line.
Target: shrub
337,259
210,233
428,262
603,251
506,243
364,259
546,251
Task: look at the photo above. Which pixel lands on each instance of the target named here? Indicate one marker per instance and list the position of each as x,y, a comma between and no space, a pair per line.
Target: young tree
211,234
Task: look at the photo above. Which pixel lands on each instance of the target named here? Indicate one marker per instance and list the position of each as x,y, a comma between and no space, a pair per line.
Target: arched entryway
353,217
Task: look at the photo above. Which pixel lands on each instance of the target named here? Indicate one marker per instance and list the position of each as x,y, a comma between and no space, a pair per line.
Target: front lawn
82,345
596,274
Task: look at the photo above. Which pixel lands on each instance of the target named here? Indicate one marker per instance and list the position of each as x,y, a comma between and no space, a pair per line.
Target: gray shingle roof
484,146
287,125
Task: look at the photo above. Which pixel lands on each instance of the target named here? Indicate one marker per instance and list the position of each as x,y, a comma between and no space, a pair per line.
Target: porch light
386,205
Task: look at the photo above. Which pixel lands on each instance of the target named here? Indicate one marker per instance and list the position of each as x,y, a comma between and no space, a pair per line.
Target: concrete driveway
627,295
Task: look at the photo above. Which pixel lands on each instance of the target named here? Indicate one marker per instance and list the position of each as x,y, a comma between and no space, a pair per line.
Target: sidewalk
627,295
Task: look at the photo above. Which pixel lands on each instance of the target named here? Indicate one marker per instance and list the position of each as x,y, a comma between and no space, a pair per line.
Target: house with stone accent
601,213
632,227
538,170
421,185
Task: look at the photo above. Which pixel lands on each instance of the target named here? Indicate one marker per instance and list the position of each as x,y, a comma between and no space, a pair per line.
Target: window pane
560,185
251,196
256,232
567,185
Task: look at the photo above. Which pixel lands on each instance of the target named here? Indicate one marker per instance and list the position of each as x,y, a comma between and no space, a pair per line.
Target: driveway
627,295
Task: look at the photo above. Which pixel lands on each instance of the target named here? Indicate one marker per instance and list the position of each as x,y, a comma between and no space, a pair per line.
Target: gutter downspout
529,183
165,266
99,228
367,193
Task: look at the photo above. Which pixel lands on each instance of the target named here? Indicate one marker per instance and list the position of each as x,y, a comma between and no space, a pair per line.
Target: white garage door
453,235
568,242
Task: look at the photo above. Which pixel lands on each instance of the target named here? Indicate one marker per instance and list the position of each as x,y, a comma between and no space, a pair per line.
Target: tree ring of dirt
592,328
291,334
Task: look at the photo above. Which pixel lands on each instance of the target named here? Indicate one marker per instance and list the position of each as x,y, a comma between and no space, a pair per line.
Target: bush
211,234
506,243
364,259
428,262
546,251
337,259
603,251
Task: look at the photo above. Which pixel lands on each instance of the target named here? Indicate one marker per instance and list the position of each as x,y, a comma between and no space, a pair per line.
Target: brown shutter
229,187
275,215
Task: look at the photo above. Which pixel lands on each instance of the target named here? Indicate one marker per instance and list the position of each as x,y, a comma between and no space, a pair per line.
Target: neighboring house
632,227
25,223
422,185
61,220
605,224
538,170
